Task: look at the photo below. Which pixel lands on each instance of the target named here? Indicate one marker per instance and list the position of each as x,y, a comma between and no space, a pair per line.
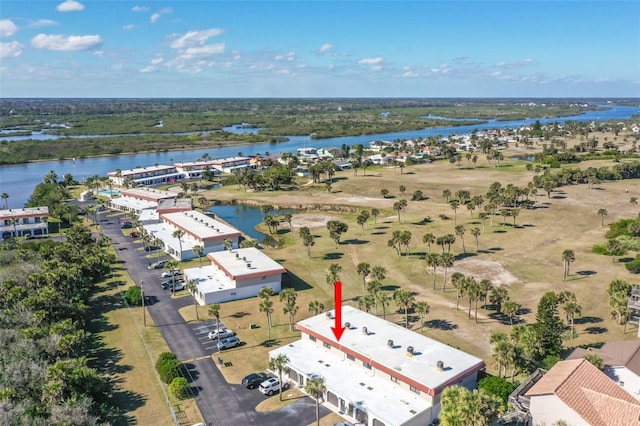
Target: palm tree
454,206
179,233
171,266
446,194
602,213
375,213
378,273
279,363
510,308
476,233
382,298
266,306
487,286
405,301
366,302
333,273
191,288
316,388
422,308
315,307
475,293
568,256
397,206
458,281
5,197
289,296
228,244
445,260
497,296
214,310
199,251
460,232
428,239
571,310
363,269
433,261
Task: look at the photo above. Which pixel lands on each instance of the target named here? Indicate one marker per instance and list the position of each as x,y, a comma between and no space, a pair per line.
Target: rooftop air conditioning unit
365,331
409,350
440,365
347,325
249,265
390,343
329,315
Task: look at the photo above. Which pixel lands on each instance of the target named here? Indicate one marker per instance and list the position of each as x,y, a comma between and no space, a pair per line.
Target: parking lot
202,334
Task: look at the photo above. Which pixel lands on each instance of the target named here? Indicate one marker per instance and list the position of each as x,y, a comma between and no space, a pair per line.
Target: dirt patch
489,269
310,220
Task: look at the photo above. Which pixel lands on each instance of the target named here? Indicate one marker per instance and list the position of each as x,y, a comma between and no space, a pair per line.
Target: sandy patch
310,220
489,269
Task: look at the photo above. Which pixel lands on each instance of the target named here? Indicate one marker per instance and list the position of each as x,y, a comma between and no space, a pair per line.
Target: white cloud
59,42
154,18
70,6
139,9
409,74
39,23
287,57
7,28
117,67
371,61
201,51
514,65
149,68
195,38
12,49
325,47
156,61
98,53
376,68
128,27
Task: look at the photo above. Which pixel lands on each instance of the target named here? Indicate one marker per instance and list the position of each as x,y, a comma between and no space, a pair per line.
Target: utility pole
144,311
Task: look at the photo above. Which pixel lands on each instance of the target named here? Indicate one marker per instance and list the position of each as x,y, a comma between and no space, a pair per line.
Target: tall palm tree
510,308
602,213
315,307
454,206
445,260
5,197
458,281
382,298
214,310
191,288
228,244
422,308
316,388
333,273
428,239
460,233
571,310
289,297
171,266
476,233
433,261
179,233
568,256
279,363
405,301
363,269
266,306
366,302
378,273
199,251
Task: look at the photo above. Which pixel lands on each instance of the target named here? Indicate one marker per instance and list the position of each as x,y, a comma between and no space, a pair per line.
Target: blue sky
236,48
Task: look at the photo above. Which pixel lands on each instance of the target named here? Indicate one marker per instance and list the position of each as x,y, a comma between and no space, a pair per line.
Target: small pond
245,218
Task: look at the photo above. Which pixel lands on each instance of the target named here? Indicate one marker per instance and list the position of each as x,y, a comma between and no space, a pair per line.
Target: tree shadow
382,227
291,280
499,231
238,315
390,287
441,324
463,256
127,402
332,256
378,233
424,221
596,330
269,343
190,372
355,241
587,320
584,274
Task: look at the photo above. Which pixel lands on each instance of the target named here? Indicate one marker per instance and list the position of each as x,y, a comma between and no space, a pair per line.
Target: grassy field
126,350
525,258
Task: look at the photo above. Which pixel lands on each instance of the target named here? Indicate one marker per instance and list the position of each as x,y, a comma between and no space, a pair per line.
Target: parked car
158,265
178,286
169,283
126,225
229,342
134,234
168,274
222,334
253,380
271,386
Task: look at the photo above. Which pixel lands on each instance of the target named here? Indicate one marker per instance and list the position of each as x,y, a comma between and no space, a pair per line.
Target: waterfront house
197,169
228,165
234,274
378,373
145,176
136,200
28,221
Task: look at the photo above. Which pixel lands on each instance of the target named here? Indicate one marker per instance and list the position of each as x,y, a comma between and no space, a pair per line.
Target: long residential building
145,176
136,200
28,221
378,373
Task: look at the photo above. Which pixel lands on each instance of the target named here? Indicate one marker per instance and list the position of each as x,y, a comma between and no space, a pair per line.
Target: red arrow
338,329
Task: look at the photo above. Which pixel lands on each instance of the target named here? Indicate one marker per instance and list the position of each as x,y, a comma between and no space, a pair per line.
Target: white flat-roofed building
379,373
146,175
235,274
196,169
24,222
138,199
199,230
228,165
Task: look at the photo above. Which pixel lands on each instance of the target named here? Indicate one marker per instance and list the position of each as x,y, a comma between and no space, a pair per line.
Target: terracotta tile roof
590,393
623,353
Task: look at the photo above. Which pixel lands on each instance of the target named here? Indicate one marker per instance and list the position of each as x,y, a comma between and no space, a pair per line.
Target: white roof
209,279
199,224
386,400
422,367
153,193
235,262
129,172
165,232
132,203
26,211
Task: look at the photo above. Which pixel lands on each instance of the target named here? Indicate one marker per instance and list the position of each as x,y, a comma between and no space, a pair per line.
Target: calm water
19,180
245,218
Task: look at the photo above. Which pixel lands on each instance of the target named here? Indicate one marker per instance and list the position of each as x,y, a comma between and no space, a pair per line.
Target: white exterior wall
233,294
626,378
548,409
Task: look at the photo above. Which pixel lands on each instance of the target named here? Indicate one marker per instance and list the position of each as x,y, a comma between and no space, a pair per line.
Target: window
264,277
394,379
413,389
621,384
38,220
232,294
366,364
326,345
312,338
351,357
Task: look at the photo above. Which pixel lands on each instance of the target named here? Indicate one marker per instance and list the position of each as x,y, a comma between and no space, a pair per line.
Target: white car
222,334
271,386
169,274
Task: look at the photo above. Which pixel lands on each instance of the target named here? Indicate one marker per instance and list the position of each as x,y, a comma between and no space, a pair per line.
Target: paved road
220,403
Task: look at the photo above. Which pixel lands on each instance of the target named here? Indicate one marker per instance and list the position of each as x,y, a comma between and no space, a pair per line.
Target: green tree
445,261
316,388
178,234
133,296
476,233
510,308
428,239
405,301
192,287
375,213
289,297
199,251
422,309
315,307
179,388
568,257
214,311
460,233
433,261
384,192
364,270
279,364
549,325
497,387
266,306
619,292
602,213
461,407
333,273
336,229
596,360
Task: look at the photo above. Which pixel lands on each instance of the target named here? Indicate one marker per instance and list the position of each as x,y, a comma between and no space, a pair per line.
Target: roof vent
390,343
329,315
249,265
409,351
347,325
440,366
237,255
365,331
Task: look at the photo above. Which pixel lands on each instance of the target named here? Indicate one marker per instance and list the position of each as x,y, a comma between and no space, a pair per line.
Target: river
19,180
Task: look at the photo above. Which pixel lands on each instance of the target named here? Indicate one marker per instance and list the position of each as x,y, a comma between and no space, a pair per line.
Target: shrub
168,367
629,243
498,387
179,388
601,249
549,361
634,265
133,296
